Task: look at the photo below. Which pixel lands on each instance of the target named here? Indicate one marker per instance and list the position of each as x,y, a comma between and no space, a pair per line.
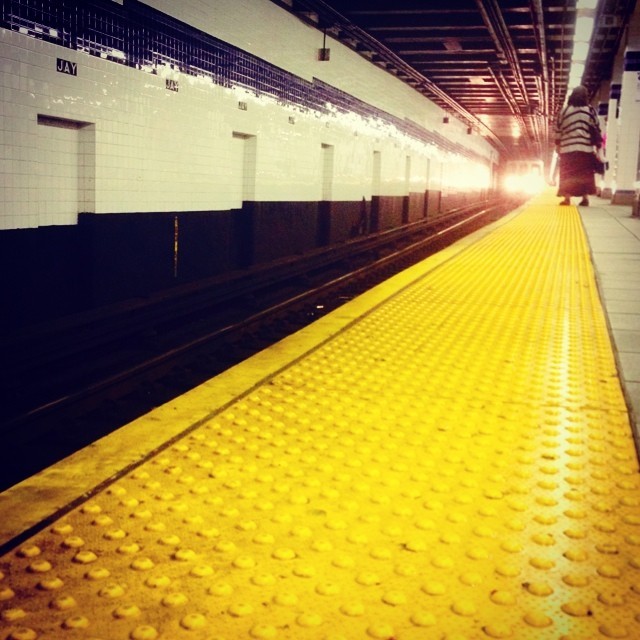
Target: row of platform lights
530,176
585,17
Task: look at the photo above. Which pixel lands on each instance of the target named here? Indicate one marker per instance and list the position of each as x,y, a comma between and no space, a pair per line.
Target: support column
627,178
603,111
611,132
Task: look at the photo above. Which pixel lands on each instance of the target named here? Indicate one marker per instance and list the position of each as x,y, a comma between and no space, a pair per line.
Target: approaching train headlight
512,183
529,182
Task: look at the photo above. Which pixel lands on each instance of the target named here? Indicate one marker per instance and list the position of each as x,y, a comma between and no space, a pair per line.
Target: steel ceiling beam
497,65
537,12
329,18
507,54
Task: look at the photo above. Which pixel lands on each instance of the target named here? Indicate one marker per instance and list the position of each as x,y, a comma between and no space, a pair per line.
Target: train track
76,381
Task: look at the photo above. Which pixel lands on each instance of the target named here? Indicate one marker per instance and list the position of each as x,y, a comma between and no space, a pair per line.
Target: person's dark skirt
576,174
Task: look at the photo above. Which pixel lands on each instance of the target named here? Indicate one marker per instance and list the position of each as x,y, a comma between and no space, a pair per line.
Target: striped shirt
574,127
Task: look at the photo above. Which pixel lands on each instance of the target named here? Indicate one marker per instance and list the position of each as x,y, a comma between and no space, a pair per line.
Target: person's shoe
584,202
566,201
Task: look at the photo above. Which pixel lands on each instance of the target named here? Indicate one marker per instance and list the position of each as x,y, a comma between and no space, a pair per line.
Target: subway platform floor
614,238
448,456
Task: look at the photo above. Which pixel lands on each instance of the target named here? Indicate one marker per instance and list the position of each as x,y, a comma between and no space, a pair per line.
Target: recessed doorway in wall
407,175
248,156
66,176
427,188
375,178
327,171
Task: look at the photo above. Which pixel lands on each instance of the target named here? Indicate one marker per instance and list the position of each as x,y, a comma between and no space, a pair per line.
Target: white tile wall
151,149
263,29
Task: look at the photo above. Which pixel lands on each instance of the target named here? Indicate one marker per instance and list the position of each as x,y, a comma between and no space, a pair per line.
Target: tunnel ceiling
502,67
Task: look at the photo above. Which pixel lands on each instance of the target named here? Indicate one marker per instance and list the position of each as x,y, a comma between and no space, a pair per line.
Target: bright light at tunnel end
530,183
524,177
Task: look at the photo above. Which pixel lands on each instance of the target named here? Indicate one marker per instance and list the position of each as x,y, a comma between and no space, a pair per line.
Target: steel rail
174,353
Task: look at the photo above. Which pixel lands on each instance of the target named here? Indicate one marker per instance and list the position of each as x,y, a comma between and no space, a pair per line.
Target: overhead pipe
503,86
562,56
494,21
502,39
423,82
552,87
543,119
329,16
546,88
541,43
508,97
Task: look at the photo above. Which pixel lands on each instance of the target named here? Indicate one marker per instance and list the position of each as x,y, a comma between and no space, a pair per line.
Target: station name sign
66,66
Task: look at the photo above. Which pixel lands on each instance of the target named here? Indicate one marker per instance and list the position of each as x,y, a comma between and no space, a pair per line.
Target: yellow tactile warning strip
458,464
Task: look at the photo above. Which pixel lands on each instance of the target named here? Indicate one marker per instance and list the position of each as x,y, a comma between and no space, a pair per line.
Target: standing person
577,133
